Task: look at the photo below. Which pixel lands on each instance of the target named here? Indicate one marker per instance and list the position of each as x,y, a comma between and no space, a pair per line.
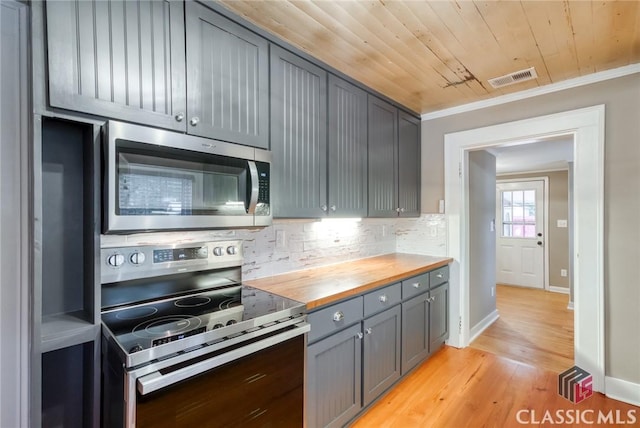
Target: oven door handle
255,187
156,380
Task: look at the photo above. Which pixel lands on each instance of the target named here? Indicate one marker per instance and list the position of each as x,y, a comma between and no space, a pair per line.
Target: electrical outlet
563,272
561,223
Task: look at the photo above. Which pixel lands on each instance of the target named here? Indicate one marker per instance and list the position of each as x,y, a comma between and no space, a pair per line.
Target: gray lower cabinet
334,376
438,316
118,59
298,136
228,79
415,331
394,161
381,353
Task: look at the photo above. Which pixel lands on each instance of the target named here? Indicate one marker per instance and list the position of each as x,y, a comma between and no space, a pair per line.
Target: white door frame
587,126
546,219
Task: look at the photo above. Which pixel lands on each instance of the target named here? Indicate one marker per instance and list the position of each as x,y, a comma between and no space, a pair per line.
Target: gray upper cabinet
394,161
118,59
298,136
228,78
408,165
347,149
383,172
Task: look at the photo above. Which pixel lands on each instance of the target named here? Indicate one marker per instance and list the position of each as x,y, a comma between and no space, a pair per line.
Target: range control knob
135,348
137,258
232,250
218,251
115,260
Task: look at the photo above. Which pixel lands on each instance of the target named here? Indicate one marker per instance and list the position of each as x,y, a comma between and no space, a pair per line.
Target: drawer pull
416,285
439,276
338,316
368,331
359,335
383,298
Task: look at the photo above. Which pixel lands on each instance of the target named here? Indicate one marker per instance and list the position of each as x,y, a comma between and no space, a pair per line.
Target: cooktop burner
155,323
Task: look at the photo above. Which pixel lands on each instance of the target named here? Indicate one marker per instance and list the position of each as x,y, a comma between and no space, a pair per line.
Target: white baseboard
555,289
622,390
477,329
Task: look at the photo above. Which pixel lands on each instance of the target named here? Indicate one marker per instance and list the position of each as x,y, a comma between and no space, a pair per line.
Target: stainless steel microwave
162,180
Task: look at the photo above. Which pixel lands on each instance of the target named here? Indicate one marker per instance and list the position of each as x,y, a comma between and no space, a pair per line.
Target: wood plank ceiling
430,55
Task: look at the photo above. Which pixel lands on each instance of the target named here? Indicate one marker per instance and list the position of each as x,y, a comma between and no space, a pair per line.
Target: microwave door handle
253,200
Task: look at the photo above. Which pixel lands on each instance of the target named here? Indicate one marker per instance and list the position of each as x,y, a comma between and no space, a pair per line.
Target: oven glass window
159,181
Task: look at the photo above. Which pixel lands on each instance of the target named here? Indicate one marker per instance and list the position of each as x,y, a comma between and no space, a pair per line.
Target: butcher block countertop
324,285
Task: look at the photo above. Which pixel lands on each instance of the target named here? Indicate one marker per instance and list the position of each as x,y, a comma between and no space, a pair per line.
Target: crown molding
534,92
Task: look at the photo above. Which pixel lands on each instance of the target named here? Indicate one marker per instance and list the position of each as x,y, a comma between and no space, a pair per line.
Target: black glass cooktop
147,325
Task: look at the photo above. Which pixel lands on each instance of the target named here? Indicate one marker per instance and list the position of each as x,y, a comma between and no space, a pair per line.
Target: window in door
518,213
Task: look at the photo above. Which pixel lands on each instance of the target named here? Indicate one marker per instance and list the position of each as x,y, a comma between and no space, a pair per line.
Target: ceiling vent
512,78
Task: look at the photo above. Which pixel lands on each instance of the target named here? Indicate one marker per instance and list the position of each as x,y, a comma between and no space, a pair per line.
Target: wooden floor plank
535,327
473,388
510,370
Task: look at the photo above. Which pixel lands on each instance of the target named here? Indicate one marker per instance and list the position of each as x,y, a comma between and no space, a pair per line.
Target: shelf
63,330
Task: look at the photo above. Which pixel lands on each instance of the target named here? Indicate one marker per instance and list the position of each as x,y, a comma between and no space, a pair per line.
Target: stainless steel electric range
176,319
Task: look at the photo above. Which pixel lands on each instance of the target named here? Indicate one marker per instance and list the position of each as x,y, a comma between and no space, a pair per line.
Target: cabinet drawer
414,286
334,318
381,299
439,276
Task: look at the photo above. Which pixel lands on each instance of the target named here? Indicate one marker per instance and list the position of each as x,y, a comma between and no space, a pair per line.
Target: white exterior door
520,234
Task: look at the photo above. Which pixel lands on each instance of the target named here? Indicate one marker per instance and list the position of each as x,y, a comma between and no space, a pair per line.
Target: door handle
255,187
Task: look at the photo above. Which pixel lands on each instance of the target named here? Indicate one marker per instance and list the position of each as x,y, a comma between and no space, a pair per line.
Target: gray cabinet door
438,316
118,59
415,331
298,136
334,375
381,356
383,158
228,78
347,149
408,165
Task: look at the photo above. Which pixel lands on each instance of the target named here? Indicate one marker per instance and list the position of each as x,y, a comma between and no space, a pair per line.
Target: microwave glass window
158,181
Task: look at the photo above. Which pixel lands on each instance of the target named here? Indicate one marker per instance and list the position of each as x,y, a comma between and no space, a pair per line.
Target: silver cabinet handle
323,208
416,285
359,335
431,299
333,208
397,210
401,210
194,121
439,276
383,298
368,331
338,316
179,117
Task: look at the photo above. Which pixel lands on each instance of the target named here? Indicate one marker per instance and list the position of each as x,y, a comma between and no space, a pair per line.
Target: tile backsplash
290,245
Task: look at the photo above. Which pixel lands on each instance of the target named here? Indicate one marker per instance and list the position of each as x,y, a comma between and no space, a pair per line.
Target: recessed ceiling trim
534,92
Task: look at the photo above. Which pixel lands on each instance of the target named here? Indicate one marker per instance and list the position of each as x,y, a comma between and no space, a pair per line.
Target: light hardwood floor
468,387
535,327
512,367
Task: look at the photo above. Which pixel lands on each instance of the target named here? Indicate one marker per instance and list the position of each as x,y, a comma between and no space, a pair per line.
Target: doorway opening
587,127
